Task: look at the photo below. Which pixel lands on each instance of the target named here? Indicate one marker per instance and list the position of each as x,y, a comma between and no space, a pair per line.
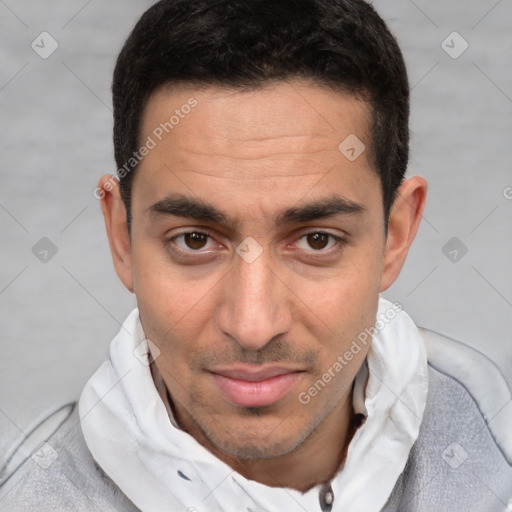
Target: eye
318,241
191,241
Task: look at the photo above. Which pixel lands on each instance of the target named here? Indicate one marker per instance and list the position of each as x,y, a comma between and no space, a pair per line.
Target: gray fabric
73,482
482,482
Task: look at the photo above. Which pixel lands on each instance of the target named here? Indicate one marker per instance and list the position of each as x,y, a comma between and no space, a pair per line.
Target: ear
114,213
404,221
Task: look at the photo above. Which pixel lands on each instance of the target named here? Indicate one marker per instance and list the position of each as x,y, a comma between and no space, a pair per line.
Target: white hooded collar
160,467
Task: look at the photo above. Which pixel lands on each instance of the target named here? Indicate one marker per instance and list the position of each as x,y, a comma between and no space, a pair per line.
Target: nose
255,307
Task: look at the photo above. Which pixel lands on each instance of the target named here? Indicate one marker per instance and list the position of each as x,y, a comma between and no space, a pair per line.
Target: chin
257,438
257,448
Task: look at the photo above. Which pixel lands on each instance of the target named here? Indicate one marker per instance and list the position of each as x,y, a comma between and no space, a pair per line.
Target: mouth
254,386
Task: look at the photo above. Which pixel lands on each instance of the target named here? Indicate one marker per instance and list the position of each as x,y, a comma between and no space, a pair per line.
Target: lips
254,386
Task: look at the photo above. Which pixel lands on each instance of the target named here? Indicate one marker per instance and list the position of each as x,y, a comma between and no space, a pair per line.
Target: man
260,208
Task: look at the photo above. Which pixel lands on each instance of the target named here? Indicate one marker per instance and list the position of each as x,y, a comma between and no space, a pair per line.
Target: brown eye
195,240
318,241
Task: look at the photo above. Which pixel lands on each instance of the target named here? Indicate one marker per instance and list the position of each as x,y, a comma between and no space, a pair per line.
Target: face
257,253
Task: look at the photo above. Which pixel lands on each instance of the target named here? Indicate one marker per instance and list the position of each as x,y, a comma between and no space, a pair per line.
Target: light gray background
58,317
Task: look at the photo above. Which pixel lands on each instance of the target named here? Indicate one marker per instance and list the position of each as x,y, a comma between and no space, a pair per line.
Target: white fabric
130,435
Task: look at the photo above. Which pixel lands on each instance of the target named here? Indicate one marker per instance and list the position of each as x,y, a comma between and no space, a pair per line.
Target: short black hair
341,44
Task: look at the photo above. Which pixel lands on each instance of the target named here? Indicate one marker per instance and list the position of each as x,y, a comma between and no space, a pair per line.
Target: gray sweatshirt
456,463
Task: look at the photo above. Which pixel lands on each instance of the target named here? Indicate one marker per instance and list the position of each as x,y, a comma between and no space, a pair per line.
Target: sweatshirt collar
137,442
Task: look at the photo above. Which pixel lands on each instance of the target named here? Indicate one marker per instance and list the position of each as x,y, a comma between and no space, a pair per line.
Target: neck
315,461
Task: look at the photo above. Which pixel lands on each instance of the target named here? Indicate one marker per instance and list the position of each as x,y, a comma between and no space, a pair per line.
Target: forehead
271,144
277,110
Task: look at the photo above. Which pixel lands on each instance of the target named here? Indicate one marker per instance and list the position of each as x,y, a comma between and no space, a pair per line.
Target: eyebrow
193,208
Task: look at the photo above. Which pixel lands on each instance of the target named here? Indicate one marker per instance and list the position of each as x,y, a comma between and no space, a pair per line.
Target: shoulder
60,474
462,459
469,373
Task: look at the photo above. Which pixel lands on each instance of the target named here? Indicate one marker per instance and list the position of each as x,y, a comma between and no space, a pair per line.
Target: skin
252,154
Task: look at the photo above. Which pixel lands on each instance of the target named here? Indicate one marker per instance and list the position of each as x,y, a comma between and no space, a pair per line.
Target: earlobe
404,221
114,214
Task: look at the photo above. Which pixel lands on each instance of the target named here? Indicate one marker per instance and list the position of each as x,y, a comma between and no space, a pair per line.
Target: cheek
164,290
344,306
351,289
169,324
164,304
